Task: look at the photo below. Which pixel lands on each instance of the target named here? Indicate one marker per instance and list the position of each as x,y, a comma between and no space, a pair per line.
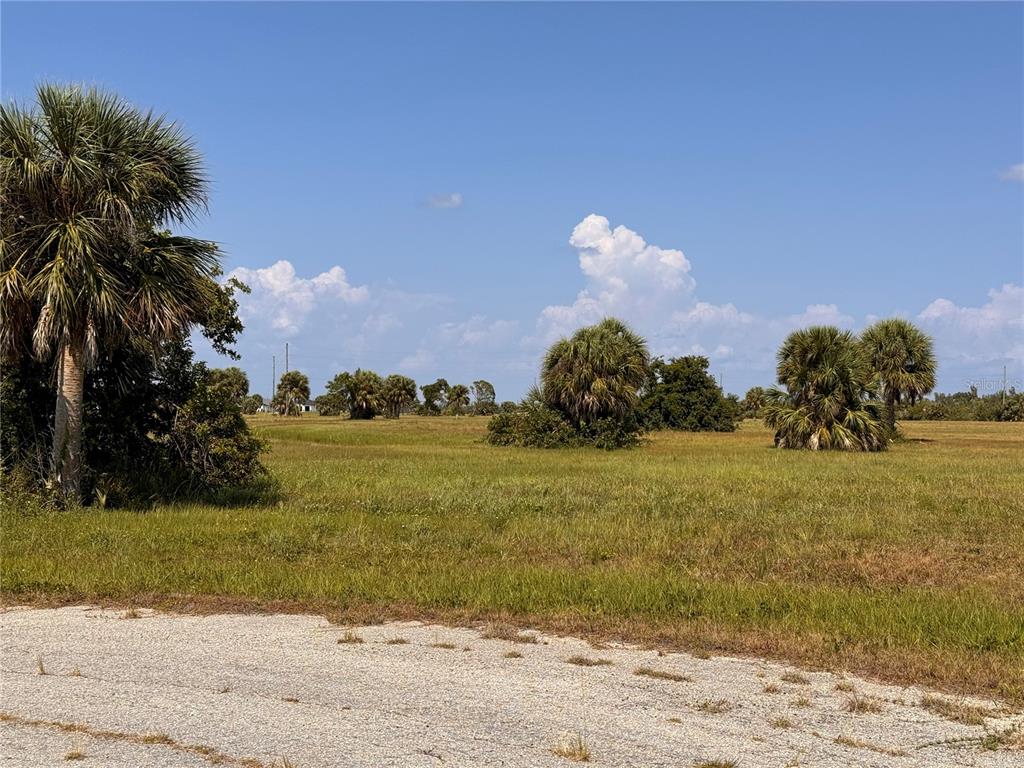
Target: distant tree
397,393
252,403
292,391
829,401
596,373
507,406
232,380
364,395
458,399
683,395
753,402
901,354
484,398
435,397
335,400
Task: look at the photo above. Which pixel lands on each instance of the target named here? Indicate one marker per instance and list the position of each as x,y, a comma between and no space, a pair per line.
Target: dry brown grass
781,722
660,674
75,753
40,666
861,705
586,661
849,741
572,747
349,637
772,688
845,686
396,641
716,764
445,645
715,706
513,655
796,678
504,631
957,711
203,751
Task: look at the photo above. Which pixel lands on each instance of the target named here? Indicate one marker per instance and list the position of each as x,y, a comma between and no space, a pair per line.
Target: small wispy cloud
450,200
1013,173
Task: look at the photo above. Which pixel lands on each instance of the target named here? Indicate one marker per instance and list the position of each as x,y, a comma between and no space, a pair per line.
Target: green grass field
907,564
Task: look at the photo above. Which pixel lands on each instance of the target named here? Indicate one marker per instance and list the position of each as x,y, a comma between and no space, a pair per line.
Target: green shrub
681,394
533,425
210,445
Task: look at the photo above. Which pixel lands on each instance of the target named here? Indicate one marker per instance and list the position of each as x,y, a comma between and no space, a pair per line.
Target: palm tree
398,392
596,373
292,392
829,401
88,183
458,399
901,354
364,394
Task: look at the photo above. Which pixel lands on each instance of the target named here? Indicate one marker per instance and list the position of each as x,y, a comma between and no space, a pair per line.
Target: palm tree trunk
66,459
890,412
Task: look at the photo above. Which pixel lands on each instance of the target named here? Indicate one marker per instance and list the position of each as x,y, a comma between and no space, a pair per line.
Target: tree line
365,394
835,390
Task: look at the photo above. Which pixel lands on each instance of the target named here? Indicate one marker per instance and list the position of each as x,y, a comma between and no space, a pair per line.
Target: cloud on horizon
338,325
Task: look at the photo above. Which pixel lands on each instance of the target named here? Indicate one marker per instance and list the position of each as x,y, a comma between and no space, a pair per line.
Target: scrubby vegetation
968,406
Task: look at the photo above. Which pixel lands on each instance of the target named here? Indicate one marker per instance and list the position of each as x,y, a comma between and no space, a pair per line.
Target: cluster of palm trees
841,391
365,394
837,390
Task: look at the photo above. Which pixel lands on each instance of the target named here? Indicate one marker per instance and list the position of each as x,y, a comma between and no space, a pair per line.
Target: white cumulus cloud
624,275
280,295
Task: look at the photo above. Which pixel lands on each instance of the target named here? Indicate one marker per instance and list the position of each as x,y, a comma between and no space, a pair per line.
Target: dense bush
154,430
967,406
681,394
533,424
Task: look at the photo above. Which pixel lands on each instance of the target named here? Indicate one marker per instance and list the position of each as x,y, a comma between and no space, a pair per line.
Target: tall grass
906,564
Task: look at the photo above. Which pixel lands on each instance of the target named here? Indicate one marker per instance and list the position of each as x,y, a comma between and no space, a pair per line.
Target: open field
906,565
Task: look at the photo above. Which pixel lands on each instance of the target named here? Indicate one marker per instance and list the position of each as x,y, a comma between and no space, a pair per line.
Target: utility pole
273,384
1004,385
286,368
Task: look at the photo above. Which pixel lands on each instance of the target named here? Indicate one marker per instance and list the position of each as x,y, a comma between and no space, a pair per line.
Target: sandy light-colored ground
116,688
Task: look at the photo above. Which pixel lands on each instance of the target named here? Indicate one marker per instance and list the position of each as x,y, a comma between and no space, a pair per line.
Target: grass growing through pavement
904,564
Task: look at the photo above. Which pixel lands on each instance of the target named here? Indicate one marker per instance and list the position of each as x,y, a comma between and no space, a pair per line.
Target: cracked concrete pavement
98,686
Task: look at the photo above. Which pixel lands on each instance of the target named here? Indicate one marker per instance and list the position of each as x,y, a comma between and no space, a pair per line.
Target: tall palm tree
88,184
596,373
901,354
829,400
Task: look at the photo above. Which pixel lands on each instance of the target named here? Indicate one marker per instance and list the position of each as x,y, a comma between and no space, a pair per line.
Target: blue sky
440,190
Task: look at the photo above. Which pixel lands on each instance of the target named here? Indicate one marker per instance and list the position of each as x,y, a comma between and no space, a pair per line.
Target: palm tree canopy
87,184
596,373
902,355
829,397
